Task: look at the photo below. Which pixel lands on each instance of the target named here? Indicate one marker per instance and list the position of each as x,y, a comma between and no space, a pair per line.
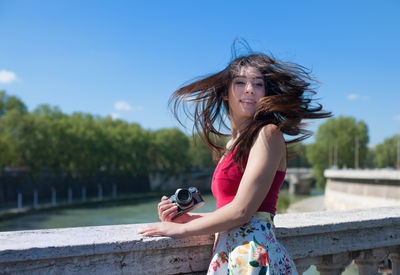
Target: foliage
283,203
8,103
169,150
335,145
386,153
83,145
15,109
297,155
199,154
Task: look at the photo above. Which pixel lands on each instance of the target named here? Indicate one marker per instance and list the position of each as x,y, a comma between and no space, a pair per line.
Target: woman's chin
247,113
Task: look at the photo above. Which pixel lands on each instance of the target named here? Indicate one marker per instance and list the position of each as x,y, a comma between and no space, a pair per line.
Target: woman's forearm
189,217
222,219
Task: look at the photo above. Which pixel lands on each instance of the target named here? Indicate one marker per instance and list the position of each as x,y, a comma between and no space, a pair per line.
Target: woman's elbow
243,215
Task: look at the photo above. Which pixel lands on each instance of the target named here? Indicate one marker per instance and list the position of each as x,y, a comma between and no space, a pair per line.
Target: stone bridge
353,189
329,240
299,180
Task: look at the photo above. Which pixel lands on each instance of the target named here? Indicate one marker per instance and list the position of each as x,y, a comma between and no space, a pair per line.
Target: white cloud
122,106
125,106
396,117
115,116
356,96
7,76
352,96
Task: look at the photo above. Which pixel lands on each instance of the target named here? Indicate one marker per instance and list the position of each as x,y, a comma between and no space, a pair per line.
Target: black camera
186,200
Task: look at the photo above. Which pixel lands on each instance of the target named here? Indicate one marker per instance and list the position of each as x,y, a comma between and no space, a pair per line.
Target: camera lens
183,197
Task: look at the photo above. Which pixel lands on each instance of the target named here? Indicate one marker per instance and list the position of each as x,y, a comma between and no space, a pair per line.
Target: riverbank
16,212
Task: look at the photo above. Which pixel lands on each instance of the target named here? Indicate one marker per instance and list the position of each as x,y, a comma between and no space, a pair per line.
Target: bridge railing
329,240
351,189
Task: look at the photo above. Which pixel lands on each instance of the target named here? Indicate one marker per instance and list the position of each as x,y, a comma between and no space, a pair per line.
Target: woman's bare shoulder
270,133
270,144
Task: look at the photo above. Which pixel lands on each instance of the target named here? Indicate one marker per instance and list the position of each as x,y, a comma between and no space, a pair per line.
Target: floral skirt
251,248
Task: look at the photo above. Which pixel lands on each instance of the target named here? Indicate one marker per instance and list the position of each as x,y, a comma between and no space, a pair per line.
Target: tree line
342,143
83,145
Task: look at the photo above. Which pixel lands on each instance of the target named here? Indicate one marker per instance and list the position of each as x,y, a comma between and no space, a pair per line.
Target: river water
109,213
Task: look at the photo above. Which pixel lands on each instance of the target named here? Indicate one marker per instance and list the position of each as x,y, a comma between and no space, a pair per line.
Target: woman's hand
166,209
163,229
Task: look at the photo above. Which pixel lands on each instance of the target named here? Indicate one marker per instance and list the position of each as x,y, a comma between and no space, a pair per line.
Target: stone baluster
304,263
368,261
334,264
395,259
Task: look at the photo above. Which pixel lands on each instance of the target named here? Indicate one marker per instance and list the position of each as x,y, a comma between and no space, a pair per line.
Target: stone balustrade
352,189
329,240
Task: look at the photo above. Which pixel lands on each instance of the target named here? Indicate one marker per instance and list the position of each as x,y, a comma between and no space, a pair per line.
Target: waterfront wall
330,240
353,189
13,180
200,178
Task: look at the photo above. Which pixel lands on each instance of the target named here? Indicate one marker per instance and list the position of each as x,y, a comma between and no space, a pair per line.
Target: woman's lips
247,102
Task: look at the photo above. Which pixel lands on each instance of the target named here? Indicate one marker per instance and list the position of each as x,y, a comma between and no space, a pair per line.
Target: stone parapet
352,189
372,174
330,240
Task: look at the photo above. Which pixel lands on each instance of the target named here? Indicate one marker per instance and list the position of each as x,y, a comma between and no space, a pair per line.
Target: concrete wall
12,180
353,189
309,238
200,178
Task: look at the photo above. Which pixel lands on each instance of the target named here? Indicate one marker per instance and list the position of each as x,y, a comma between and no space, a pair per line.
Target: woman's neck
237,126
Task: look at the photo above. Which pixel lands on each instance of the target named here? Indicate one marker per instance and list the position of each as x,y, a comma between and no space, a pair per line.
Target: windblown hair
286,103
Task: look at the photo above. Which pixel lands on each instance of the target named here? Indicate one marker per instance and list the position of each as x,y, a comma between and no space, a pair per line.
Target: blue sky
125,58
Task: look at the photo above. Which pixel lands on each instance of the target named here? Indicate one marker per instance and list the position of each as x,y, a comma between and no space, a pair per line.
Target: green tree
338,143
48,111
169,151
386,153
8,103
370,159
83,145
11,110
30,138
10,145
199,154
9,155
124,148
297,155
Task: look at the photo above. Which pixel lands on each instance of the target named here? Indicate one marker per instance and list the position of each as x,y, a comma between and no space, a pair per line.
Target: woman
264,98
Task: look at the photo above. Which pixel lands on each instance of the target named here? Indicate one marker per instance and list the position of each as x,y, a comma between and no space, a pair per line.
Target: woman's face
246,89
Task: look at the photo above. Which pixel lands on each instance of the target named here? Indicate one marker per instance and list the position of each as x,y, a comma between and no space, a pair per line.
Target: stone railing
352,189
328,240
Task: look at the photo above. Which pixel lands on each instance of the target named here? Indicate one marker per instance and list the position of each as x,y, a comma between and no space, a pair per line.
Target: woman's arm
190,217
264,158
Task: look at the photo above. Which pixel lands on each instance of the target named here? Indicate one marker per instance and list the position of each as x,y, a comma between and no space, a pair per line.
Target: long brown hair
286,103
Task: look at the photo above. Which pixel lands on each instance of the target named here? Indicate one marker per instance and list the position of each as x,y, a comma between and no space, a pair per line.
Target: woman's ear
225,95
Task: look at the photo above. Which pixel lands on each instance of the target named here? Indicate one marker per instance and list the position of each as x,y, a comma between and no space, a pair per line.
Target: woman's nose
249,87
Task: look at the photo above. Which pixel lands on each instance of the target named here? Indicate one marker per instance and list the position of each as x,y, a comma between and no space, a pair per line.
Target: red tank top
226,180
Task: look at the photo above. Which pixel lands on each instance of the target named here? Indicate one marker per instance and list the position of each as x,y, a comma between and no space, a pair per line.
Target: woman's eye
240,83
259,84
